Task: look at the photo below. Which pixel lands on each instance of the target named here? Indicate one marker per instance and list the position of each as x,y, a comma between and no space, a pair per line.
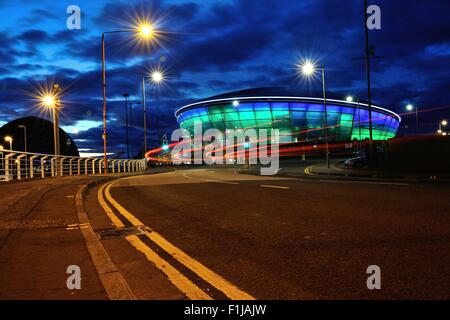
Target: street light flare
157,77
307,68
146,30
49,101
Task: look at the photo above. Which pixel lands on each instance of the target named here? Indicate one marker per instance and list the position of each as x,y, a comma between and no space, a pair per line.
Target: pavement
40,237
215,233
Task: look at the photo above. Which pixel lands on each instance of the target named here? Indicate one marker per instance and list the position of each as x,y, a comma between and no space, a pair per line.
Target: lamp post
1,158
442,124
145,114
21,126
146,31
369,89
410,108
156,77
131,124
351,99
53,102
10,140
308,69
126,95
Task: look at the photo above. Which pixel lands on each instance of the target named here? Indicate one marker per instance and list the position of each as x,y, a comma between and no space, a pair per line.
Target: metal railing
18,165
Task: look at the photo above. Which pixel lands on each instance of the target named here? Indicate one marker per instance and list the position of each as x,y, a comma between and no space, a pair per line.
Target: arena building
298,117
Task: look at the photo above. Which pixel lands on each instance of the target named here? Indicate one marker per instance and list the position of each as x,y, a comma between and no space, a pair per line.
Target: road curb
112,280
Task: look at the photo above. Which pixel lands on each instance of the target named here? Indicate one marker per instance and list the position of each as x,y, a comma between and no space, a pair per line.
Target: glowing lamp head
157,77
146,30
8,139
410,107
307,68
444,122
235,103
48,101
349,99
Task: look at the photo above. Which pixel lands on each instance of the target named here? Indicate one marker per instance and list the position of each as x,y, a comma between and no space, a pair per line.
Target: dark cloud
215,46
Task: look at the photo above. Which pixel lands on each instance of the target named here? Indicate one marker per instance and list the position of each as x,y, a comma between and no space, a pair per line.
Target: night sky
208,47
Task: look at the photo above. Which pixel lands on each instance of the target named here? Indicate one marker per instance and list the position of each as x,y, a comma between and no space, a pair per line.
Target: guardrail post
100,164
93,165
32,166
52,166
129,165
8,175
61,163
86,164
79,166
43,167
70,166
113,165
18,162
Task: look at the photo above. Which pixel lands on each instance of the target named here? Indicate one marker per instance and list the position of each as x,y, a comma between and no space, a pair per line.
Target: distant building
39,137
298,117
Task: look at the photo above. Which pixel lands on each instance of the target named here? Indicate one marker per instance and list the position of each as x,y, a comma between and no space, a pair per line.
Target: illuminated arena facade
297,117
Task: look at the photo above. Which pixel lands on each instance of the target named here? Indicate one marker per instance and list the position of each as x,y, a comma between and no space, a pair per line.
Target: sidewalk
337,169
40,237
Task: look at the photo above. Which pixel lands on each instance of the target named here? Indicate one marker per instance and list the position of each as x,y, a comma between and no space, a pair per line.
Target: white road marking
275,187
209,180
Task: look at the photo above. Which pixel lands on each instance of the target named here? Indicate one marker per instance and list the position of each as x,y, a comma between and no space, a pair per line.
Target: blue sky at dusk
210,47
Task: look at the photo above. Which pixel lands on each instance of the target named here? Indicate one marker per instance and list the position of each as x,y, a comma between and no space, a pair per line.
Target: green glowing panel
263,115
217,117
248,124
246,116
231,116
276,114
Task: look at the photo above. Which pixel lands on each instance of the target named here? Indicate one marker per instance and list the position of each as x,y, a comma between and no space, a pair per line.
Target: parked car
356,162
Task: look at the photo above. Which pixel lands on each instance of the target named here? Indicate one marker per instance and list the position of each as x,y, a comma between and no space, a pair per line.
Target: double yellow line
185,285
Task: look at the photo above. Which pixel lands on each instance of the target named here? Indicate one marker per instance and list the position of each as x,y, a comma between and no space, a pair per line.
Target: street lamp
126,95
308,69
442,124
21,126
1,158
145,31
131,124
410,108
52,101
10,140
157,78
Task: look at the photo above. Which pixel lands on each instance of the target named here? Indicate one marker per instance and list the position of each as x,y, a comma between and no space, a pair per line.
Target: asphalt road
280,238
